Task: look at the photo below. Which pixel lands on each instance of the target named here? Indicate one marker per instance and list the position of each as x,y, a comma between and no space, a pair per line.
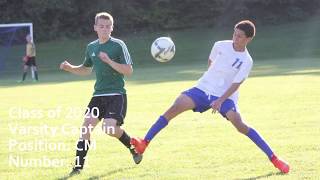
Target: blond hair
103,15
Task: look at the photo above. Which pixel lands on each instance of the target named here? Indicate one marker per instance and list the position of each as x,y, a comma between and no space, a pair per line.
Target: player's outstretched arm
78,70
217,103
125,69
209,62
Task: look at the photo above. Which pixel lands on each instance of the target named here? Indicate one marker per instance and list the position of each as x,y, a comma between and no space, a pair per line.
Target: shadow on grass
102,176
110,173
174,72
263,176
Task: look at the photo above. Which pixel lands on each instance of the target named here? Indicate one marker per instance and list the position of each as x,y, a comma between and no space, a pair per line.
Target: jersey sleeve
125,57
87,59
214,52
243,72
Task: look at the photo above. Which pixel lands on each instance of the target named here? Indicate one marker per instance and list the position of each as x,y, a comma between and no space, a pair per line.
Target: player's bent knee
237,122
90,122
85,132
109,130
175,108
110,127
242,130
173,111
183,103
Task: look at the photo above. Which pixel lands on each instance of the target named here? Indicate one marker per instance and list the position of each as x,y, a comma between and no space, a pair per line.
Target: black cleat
74,172
137,158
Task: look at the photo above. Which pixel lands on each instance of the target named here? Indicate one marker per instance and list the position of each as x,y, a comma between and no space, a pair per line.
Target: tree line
75,18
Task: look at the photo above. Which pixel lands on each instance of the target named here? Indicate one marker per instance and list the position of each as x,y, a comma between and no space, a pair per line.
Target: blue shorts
203,101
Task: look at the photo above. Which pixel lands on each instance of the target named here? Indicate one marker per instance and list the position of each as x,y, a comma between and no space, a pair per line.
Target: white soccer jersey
227,66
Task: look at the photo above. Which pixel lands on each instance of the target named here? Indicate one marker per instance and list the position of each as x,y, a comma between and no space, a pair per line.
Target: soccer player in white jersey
229,65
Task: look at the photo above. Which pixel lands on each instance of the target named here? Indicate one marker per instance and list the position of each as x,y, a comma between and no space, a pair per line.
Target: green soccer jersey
109,81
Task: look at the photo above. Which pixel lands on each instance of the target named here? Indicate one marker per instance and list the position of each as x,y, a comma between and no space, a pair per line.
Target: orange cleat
280,164
139,144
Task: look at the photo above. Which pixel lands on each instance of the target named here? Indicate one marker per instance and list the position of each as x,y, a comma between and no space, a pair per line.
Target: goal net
13,45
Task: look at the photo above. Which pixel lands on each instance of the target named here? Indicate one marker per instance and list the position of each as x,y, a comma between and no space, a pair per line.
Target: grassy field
280,99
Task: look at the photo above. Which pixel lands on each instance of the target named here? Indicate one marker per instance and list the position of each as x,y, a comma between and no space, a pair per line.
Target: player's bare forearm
209,63
77,70
216,105
125,69
233,88
81,70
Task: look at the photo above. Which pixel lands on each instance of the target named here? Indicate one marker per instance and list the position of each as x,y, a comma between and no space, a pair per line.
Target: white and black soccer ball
163,49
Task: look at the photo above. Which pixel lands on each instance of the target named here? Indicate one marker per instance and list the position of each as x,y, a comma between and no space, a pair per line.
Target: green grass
280,99
296,40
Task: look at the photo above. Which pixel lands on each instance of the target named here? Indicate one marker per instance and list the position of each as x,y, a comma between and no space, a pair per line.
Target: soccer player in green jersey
111,61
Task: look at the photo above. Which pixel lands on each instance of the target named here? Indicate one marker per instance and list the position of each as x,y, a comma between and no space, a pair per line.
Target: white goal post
28,28
30,25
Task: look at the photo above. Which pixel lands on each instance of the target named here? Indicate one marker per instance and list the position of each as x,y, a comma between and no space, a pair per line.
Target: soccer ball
163,49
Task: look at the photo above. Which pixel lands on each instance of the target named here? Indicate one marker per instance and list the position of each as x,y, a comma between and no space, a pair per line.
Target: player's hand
104,57
65,65
216,105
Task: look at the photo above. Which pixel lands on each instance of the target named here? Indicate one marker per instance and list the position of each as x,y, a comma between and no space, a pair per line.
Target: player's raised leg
84,143
181,104
242,127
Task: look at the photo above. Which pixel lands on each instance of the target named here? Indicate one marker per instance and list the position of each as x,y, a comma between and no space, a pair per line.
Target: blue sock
156,127
257,139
